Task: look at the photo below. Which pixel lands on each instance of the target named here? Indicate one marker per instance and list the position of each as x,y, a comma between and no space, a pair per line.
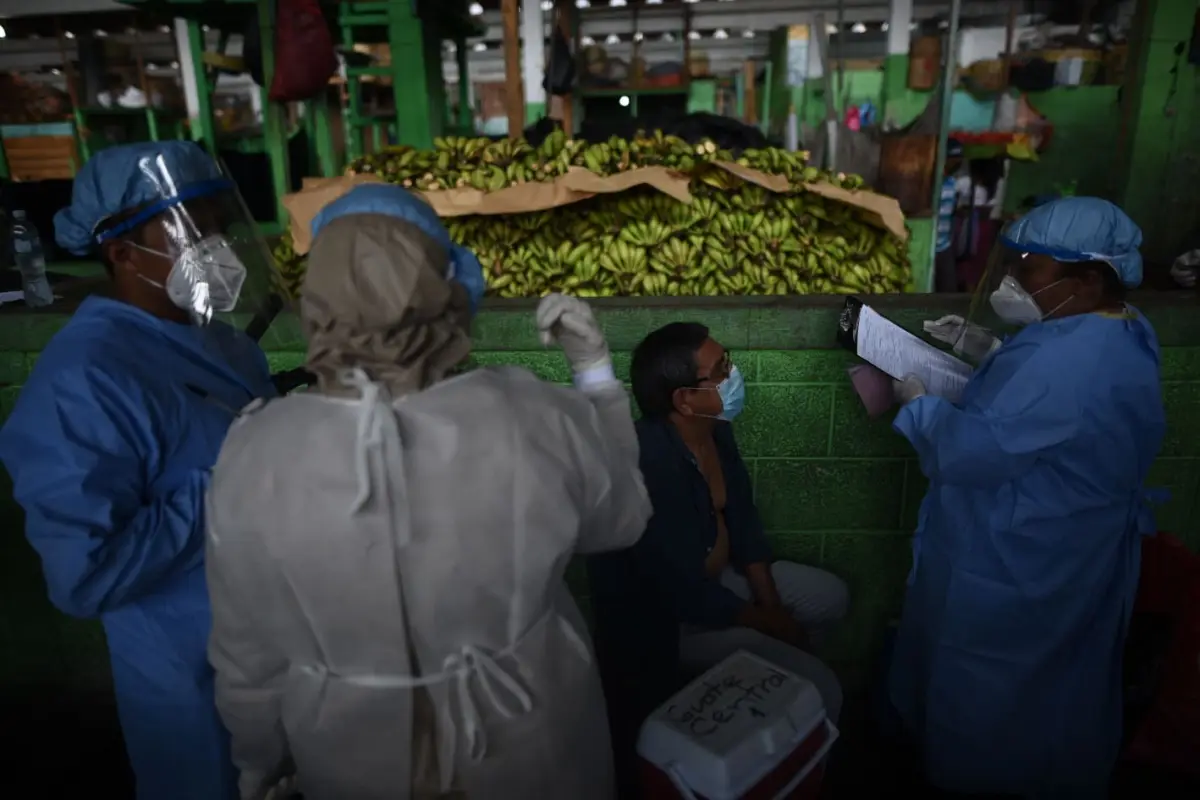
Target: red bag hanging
1169,734
304,56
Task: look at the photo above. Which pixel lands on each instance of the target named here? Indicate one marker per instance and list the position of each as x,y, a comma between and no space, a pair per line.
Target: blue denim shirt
641,596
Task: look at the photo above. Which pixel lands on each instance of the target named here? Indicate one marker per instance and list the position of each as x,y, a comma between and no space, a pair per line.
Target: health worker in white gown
386,552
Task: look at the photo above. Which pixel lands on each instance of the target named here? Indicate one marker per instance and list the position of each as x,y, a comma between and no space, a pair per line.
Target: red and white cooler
744,730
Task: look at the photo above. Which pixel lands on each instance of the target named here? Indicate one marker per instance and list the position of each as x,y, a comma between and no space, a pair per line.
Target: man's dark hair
664,362
1110,282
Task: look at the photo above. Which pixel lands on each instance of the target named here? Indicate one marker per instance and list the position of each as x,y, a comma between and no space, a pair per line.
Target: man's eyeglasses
720,370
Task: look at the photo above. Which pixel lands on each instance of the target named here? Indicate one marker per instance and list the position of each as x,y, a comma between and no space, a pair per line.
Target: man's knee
816,595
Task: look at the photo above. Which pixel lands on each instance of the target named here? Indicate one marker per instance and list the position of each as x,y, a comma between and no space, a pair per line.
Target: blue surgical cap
393,201
1074,229
150,176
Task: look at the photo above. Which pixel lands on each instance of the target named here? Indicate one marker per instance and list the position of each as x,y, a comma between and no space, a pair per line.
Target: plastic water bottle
31,260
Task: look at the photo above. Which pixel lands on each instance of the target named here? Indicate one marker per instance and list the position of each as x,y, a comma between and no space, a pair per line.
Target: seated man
701,583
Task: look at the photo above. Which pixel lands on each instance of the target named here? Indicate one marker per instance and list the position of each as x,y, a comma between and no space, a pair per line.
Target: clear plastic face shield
214,260
1017,275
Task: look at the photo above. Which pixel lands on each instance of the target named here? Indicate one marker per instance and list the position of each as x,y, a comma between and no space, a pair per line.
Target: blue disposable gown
1007,666
109,450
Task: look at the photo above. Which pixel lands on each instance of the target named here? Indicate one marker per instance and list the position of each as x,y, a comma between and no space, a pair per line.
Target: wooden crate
41,158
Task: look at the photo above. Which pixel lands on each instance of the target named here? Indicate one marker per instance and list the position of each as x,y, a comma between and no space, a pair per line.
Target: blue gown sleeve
1027,406
75,448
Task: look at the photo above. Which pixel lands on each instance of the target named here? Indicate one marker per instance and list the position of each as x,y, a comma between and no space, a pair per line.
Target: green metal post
81,134
410,82
323,134
435,85
353,113
3,162
204,118
152,124
466,114
274,128
949,70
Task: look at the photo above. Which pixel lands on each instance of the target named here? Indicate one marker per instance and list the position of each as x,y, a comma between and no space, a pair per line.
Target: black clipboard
847,331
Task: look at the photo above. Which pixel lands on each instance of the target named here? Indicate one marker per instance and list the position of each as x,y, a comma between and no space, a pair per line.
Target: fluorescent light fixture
831,29
547,5
174,65
587,41
747,34
721,33
668,37
624,101
638,36
616,3
3,33
858,27
480,47
69,35
694,35
100,34
613,39
884,27
582,4
474,9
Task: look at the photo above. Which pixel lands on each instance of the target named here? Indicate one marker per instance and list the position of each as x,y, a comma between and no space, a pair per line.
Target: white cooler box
744,730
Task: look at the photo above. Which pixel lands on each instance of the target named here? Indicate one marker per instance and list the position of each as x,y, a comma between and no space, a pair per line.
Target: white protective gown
360,556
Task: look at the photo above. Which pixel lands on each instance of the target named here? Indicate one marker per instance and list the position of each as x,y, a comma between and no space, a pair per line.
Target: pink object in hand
874,388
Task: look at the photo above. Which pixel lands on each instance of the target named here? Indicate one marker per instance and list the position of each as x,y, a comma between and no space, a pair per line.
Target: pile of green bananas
734,238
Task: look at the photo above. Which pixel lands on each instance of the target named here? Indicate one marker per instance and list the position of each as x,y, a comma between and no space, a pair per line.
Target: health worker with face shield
113,436
386,552
1007,667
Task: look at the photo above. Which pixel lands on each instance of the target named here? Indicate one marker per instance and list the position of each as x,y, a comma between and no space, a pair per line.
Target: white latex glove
908,389
964,338
570,322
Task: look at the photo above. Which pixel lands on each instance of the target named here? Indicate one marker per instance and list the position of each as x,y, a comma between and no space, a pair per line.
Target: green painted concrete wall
1159,155
1086,123
834,488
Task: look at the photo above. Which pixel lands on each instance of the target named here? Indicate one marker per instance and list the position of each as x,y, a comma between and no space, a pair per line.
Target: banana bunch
734,238
457,162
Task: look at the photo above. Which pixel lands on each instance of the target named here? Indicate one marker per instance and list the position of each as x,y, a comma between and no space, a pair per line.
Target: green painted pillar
1159,151
274,122
416,113
894,95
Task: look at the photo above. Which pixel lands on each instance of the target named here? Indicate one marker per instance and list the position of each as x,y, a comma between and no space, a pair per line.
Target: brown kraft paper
578,184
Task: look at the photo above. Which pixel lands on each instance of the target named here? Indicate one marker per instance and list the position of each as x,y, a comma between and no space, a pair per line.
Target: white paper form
899,353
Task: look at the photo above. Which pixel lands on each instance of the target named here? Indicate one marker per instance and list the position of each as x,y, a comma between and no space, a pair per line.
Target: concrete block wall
835,488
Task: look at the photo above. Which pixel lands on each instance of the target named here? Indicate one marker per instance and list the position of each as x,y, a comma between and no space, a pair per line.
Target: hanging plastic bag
304,56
